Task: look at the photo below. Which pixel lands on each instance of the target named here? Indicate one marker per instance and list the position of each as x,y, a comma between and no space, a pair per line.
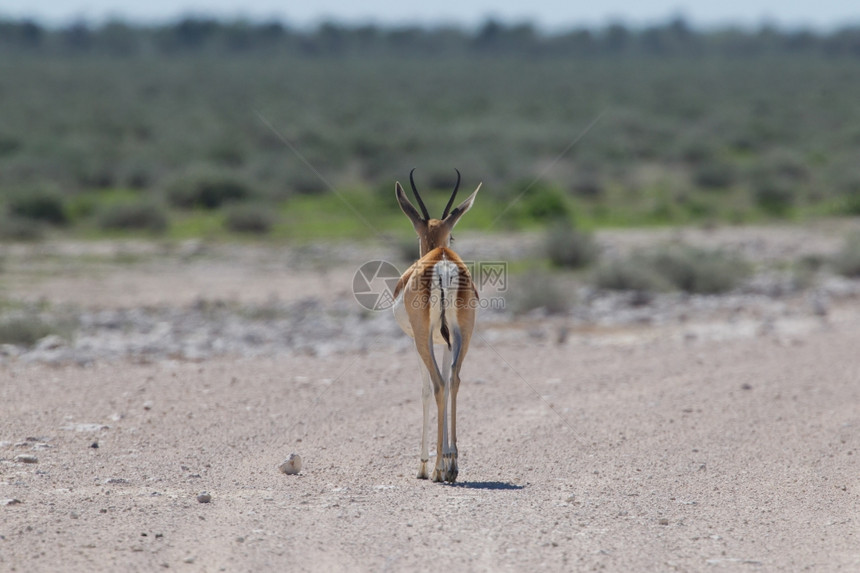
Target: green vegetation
538,289
23,330
688,269
142,215
567,247
630,274
254,219
193,118
847,261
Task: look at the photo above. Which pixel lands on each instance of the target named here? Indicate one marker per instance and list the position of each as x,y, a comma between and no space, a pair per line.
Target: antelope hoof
451,474
422,469
441,470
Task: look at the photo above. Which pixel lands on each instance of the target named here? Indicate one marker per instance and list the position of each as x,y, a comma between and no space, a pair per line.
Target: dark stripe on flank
444,327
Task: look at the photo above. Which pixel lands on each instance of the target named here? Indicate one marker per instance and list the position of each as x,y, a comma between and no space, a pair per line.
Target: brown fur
416,287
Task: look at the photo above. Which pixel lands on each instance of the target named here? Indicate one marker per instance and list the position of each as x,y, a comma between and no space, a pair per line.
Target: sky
548,14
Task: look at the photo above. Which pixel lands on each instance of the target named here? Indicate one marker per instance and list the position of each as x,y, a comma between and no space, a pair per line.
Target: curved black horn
418,197
453,195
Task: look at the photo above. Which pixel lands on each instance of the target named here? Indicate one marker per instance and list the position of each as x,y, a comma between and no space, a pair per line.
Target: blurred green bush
207,188
567,247
252,219
688,269
139,215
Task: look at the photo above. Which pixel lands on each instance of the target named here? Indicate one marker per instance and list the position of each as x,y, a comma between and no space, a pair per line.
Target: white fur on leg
426,395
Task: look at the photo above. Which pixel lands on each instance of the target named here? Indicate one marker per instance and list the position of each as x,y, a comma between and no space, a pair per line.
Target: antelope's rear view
435,303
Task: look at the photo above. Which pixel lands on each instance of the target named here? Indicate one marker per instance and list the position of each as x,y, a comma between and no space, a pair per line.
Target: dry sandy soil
638,450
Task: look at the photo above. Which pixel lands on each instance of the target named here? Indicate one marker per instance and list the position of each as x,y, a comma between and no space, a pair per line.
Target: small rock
292,465
663,521
94,445
10,501
26,459
189,560
84,427
147,405
50,342
204,497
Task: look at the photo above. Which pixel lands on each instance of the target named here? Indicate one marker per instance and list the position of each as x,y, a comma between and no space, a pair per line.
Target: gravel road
718,441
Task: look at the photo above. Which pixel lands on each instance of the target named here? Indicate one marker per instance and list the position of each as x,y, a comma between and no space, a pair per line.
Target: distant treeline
203,35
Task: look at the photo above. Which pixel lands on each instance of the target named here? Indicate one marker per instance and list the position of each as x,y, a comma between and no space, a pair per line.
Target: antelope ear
408,209
461,209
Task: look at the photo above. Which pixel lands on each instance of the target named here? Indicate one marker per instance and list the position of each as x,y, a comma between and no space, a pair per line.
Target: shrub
776,182
39,205
256,219
775,195
23,330
569,248
544,203
688,269
847,260
18,229
141,215
588,183
714,174
207,189
699,271
537,290
631,274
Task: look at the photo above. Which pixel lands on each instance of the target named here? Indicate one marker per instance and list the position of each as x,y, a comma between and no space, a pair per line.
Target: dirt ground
643,452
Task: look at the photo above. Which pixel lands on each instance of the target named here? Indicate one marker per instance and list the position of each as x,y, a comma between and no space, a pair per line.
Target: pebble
26,459
292,465
84,427
663,521
10,501
204,497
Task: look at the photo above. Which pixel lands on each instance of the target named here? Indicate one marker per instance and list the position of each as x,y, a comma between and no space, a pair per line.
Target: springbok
435,303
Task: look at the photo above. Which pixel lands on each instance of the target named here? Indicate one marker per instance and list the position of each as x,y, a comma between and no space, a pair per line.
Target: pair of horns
421,203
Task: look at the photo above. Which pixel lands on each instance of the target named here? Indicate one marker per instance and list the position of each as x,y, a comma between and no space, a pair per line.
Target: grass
362,212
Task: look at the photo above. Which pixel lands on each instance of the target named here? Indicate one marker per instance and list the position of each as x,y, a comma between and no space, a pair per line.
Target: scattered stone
84,427
10,501
74,515
116,481
26,459
204,497
663,521
50,342
292,465
746,386
9,350
94,445
189,560
148,405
